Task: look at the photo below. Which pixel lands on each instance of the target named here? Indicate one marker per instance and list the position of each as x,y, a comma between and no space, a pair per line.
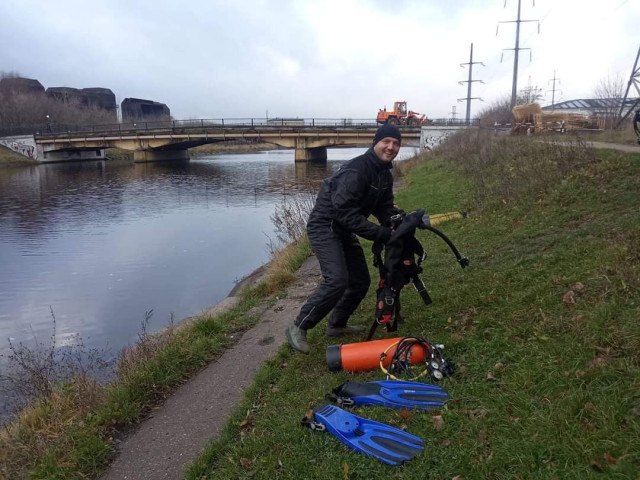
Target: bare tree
529,94
609,92
498,112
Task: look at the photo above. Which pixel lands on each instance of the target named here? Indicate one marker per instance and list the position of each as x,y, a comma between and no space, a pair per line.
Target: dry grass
506,169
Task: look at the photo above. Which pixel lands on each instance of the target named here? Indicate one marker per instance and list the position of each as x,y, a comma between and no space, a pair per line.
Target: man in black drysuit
361,187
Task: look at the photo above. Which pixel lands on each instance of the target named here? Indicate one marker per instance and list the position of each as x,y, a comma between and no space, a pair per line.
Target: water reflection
103,242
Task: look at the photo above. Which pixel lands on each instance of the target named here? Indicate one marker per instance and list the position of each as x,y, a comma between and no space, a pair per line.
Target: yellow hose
439,218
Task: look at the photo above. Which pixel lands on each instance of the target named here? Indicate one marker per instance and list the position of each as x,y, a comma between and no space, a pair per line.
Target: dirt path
616,146
175,434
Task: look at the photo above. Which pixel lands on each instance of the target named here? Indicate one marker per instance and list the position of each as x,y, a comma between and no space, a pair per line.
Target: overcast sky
315,58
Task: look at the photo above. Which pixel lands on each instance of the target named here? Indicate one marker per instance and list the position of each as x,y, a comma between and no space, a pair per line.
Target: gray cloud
323,58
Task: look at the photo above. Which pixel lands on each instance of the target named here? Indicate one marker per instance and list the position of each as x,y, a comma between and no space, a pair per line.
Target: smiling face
387,149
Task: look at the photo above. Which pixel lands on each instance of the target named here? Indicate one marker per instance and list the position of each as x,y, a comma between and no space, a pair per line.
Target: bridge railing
143,126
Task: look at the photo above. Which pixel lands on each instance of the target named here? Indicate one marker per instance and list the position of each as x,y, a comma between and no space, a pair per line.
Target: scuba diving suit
361,187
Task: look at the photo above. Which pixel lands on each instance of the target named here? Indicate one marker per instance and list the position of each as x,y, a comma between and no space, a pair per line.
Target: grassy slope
564,400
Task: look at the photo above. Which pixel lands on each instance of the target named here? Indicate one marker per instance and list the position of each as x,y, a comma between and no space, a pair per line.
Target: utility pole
469,82
553,89
634,79
518,21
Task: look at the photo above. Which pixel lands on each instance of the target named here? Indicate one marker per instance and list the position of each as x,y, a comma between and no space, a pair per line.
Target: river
101,243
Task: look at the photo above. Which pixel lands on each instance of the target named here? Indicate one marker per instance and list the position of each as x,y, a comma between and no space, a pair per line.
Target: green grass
564,401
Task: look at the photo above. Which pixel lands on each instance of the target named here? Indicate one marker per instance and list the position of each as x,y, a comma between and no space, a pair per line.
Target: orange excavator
400,116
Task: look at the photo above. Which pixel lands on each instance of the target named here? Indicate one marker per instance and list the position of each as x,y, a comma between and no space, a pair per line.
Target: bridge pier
140,156
316,154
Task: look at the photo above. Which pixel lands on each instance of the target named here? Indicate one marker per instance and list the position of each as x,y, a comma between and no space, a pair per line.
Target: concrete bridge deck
171,139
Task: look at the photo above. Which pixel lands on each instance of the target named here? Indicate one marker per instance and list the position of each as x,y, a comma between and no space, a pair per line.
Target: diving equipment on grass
383,442
390,393
363,356
394,356
403,257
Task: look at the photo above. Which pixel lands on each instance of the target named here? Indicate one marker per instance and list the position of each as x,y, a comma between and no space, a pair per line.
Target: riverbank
73,431
542,327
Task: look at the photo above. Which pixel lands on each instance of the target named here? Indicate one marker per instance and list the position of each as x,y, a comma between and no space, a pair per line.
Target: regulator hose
463,261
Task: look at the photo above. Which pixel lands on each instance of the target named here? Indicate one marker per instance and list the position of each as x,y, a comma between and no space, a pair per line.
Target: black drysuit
361,187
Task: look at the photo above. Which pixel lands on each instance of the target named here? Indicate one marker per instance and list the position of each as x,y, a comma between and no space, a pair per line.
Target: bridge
172,139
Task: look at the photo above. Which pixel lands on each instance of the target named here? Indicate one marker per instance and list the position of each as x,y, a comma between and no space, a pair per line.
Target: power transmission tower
516,49
553,89
471,63
634,79
453,112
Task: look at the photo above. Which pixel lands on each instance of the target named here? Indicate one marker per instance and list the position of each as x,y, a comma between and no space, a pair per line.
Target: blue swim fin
383,442
390,393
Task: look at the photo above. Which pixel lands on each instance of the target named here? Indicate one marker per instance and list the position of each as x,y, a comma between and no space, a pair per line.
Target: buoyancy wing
383,442
391,393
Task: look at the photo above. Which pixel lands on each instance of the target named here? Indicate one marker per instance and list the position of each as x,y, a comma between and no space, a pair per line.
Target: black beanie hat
385,131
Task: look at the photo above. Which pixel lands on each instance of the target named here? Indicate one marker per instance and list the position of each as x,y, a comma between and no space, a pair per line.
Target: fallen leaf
578,318
245,462
598,362
406,414
461,368
597,466
578,287
491,377
438,422
498,366
280,466
345,471
446,443
456,337
609,459
458,477
579,373
482,435
569,299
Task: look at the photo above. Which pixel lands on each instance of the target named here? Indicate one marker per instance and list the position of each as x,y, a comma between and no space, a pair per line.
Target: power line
516,49
470,81
553,89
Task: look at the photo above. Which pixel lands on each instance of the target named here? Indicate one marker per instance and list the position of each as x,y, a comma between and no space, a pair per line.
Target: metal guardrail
129,127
